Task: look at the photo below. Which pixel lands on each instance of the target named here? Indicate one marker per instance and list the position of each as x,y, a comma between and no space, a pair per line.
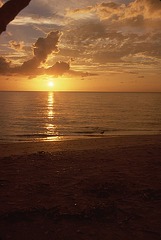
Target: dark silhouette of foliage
9,11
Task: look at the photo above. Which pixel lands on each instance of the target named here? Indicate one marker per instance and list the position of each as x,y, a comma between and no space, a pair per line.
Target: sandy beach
87,189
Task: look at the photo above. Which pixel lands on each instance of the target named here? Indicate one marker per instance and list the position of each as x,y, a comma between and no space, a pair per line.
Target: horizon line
78,91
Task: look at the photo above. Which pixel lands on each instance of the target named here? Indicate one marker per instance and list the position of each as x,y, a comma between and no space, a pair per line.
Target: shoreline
81,189
20,148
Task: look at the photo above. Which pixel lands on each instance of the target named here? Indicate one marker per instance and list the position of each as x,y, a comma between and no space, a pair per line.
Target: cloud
117,37
40,21
31,68
45,46
136,12
73,73
132,51
41,50
133,72
79,10
39,8
58,69
16,46
107,56
83,33
146,7
9,11
4,66
112,35
28,67
110,5
87,74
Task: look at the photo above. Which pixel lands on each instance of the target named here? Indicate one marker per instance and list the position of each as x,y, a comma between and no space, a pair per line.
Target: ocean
56,116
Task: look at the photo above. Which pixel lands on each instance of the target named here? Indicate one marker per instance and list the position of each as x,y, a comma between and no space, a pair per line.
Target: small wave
109,131
91,132
39,135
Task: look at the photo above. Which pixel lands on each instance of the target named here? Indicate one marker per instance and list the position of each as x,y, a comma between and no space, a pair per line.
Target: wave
37,135
107,131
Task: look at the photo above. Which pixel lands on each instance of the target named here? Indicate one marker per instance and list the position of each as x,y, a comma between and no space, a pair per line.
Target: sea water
50,116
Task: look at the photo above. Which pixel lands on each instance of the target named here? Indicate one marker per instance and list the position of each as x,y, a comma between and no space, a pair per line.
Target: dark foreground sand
105,189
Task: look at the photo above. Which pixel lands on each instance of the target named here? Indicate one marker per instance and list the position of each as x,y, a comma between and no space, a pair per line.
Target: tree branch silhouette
9,11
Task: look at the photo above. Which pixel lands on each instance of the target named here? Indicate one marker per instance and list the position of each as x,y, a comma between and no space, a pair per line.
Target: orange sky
83,46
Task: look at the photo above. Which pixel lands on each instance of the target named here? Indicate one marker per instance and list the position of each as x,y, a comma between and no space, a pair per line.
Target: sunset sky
85,45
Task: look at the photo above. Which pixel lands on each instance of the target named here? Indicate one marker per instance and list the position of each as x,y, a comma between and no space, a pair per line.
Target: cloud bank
99,38
41,50
120,34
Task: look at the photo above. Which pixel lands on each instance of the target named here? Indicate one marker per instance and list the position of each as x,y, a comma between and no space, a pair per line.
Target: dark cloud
41,49
134,48
94,42
4,66
104,36
83,31
29,67
133,72
73,73
108,56
110,5
153,5
9,11
87,74
58,69
45,46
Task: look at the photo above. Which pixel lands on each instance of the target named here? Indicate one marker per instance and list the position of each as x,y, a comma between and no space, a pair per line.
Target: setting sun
80,119
83,54
50,84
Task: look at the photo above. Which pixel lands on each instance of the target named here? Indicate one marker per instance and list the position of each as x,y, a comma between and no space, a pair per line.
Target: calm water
49,116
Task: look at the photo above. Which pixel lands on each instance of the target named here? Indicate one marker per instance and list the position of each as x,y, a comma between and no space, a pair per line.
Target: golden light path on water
51,127
50,105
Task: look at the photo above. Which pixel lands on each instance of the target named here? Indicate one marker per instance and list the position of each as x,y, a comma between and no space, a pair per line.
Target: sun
50,84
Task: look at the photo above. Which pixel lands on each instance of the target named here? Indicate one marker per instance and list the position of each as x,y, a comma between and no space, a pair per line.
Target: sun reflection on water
50,100
50,105
50,126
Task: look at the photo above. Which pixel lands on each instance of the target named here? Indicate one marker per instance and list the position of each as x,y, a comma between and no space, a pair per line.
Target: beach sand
104,189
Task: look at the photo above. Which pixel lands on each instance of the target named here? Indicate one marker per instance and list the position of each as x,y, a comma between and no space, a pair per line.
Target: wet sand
107,188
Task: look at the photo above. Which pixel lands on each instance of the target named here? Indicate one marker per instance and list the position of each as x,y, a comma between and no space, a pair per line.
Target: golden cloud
1,3
16,46
132,14
145,8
